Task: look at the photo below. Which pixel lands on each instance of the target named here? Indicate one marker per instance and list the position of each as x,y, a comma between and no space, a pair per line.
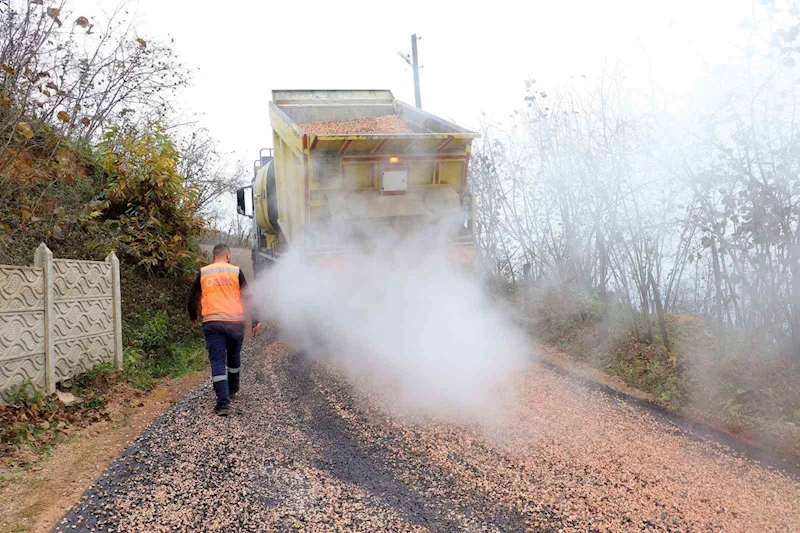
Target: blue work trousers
224,343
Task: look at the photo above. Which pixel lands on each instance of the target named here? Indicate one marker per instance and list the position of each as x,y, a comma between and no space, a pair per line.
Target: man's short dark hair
221,250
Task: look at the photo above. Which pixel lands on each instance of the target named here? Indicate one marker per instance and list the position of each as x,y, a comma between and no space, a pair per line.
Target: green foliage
157,349
135,369
648,368
180,359
153,333
148,207
738,375
157,337
177,359
125,195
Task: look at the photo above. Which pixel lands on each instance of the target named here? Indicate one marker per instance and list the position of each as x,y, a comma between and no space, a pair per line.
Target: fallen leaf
142,42
63,116
24,129
54,12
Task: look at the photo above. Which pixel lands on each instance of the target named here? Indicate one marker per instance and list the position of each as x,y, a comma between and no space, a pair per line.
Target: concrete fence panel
58,319
22,322
83,316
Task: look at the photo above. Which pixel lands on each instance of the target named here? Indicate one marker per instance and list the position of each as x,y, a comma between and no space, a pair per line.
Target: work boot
222,409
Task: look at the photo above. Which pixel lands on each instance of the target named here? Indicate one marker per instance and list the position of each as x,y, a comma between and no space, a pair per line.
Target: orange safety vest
220,296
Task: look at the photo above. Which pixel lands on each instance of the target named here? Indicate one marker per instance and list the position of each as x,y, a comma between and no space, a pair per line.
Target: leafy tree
148,206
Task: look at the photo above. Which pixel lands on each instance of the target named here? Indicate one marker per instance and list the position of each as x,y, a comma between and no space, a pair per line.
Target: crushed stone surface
304,450
363,126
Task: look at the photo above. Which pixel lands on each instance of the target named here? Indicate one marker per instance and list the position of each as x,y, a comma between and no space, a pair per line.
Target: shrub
148,206
557,312
153,334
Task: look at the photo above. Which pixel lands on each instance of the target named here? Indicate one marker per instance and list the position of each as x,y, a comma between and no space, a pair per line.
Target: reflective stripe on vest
220,296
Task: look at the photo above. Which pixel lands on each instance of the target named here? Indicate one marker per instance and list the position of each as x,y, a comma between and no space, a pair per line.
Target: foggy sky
476,58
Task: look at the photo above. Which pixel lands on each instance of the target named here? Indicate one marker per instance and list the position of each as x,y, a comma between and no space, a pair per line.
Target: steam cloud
403,318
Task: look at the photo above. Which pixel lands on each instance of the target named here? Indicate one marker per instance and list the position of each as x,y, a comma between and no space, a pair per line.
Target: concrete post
117,302
44,260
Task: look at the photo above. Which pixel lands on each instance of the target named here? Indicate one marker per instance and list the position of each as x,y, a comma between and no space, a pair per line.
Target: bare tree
599,198
204,167
81,73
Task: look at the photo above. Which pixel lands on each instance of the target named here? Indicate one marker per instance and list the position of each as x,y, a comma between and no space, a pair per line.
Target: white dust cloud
402,319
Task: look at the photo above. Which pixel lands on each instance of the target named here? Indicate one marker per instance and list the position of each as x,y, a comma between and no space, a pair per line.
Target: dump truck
352,166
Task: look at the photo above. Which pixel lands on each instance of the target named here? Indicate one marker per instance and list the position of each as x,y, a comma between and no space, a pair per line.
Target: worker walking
218,289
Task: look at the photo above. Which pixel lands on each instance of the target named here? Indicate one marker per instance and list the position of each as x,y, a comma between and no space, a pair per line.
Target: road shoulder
777,455
33,499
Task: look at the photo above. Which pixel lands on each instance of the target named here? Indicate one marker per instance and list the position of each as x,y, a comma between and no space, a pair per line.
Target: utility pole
413,61
415,65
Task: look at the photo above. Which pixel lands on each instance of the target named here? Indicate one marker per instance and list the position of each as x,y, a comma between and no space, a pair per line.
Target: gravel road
305,451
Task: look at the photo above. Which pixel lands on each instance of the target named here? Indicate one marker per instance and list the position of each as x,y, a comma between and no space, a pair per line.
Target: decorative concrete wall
22,342
58,319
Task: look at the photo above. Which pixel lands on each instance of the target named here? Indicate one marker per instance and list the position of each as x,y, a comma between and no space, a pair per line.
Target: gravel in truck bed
390,124
304,450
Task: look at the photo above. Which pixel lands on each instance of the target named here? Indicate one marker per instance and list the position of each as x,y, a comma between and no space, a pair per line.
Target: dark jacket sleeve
194,298
248,297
